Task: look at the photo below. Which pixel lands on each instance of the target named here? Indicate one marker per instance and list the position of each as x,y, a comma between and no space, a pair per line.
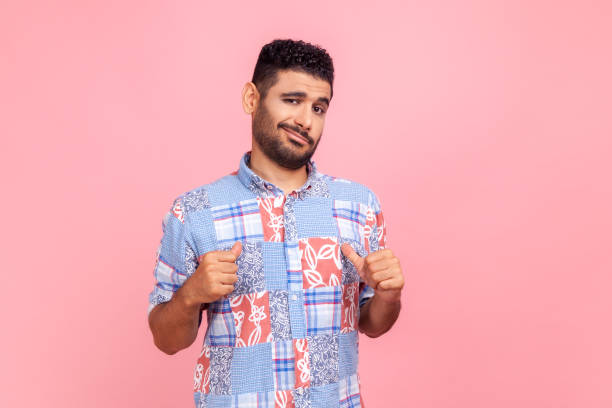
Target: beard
269,138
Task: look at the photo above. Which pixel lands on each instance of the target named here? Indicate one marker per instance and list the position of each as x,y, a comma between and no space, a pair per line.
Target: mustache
299,132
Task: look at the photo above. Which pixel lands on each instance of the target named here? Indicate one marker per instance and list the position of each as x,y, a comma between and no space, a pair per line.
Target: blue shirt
287,336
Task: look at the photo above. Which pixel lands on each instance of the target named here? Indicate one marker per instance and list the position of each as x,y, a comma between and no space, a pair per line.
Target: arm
175,324
377,316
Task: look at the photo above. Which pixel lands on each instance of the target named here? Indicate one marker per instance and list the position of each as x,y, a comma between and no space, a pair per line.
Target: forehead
296,81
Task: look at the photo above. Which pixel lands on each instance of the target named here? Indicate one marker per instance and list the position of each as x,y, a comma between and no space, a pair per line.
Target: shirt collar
262,187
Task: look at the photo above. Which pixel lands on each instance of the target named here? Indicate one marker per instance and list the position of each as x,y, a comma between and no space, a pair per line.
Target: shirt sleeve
175,259
375,239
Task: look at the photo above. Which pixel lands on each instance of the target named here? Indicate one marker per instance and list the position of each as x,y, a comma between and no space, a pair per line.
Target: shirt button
294,297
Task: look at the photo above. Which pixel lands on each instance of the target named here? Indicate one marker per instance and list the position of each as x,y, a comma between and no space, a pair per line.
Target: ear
250,98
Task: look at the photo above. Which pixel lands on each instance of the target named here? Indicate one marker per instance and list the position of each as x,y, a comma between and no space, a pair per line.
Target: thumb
236,249
354,257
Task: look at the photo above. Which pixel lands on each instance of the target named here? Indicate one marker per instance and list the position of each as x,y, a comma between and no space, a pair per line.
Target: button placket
294,270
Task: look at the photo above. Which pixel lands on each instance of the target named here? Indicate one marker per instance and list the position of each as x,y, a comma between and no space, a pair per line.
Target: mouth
296,137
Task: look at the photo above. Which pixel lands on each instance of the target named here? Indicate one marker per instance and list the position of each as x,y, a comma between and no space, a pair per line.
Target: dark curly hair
293,55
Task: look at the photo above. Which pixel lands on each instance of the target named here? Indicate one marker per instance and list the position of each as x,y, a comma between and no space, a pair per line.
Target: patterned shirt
287,336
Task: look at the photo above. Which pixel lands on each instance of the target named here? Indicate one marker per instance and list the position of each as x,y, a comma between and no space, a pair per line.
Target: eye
290,100
318,109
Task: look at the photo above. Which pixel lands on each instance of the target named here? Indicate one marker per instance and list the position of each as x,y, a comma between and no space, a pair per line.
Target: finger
381,254
352,256
236,249
227,289
226,256
227,267
381,264
228,278
381,276
393,283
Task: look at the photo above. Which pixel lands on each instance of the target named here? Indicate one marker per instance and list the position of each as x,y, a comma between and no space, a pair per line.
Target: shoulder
349,190
222,191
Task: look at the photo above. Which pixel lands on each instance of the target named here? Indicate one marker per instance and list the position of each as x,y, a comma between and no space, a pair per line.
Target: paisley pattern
349,273
289,221
317,188
160,298
323,359
250,269
369,230
301,397
279,315
220,362
259,187
191,260
195,200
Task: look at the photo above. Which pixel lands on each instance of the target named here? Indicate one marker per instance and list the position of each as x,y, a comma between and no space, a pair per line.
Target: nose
304,117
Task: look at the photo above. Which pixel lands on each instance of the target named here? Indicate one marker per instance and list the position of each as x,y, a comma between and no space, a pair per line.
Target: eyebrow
303,95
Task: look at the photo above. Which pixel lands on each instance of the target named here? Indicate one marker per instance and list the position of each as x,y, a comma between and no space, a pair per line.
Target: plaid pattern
348,390
294,273
287,336
283,360
272,399
221,329
253,400
167,277
351,219
237,222
323,310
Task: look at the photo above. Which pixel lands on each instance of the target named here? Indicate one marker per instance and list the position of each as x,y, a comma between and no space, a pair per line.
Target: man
288,262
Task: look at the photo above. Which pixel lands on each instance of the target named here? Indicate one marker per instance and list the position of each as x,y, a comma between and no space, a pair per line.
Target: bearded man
290,264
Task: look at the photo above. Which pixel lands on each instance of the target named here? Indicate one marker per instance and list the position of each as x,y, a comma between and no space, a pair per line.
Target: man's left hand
380,270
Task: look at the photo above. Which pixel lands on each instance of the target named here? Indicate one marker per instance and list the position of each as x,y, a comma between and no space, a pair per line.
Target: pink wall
484,127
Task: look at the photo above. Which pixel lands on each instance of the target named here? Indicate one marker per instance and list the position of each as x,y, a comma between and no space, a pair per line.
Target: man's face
288,122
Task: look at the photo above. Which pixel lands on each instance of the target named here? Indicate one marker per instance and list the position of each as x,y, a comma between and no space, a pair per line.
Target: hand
380,270
214,277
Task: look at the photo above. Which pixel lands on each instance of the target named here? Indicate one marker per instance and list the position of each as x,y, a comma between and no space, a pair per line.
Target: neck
287,180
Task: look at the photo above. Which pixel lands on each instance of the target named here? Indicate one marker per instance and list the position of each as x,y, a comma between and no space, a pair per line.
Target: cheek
279,112
317,129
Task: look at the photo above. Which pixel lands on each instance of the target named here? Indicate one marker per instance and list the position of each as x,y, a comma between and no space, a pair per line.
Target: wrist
389,297
185,301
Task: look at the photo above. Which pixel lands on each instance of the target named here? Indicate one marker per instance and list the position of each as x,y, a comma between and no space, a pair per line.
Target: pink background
484,127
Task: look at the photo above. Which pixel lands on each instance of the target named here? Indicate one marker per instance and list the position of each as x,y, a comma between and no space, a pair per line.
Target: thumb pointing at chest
354,257
236,249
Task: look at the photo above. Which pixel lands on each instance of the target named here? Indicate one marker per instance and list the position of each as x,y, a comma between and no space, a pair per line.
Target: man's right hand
214,277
